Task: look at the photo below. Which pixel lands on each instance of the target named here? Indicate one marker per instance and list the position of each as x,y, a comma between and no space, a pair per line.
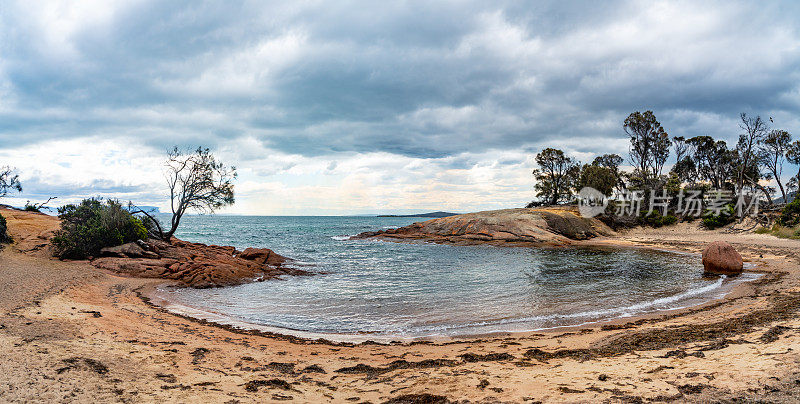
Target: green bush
726,216
791,214
655,219
150,225
4,237
92,225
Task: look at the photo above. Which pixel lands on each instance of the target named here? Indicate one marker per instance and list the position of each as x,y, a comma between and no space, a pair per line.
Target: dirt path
70,333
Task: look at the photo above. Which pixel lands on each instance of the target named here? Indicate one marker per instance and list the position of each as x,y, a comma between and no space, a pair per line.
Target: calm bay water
421,289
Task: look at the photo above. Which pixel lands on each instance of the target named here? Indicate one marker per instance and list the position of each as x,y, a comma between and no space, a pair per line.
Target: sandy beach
72,332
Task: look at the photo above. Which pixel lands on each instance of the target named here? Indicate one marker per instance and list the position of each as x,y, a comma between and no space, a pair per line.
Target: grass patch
781,231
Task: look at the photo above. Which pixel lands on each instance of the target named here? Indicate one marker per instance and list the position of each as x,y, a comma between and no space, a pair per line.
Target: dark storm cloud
416,79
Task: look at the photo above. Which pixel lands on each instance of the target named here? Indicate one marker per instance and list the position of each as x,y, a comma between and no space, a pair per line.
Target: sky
340,108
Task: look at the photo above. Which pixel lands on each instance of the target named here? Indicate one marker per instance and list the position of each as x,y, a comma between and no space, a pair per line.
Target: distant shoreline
429,214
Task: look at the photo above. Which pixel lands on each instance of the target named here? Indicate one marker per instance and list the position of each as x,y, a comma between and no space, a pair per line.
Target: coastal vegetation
556,175
9,181
715,220
196,181
37,207
649,148
4,238
93,224
656,219
790,216
751,171
788,224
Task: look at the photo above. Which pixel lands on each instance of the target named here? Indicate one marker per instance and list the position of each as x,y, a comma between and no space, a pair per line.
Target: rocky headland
542,226
195,265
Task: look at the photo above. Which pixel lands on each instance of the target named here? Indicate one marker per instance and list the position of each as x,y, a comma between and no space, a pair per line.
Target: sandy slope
73,333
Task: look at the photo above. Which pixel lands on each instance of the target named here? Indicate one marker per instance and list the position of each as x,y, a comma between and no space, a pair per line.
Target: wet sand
70,332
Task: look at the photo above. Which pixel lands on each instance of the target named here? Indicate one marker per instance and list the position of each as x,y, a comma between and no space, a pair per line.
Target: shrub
150,225
4,237
763,230
790,216
726,216
655,219
781,232
37,207
91,225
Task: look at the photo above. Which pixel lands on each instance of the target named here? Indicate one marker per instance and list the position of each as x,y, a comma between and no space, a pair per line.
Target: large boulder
720,258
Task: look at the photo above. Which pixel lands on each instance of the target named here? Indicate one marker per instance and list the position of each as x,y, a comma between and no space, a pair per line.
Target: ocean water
371,289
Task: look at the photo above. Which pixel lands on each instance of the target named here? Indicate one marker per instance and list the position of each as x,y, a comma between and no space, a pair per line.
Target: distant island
429,214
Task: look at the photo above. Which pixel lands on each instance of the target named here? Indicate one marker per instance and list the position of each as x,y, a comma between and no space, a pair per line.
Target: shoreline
92,336
233,324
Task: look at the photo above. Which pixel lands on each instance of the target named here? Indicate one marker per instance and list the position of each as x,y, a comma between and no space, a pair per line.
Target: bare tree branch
196,181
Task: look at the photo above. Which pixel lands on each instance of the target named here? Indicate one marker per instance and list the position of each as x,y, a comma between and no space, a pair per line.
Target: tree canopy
649,147
555,176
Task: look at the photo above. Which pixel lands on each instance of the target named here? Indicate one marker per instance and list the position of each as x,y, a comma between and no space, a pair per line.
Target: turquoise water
392,289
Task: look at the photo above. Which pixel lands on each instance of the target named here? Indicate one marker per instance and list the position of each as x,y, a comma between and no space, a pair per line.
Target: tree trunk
176,220
783,191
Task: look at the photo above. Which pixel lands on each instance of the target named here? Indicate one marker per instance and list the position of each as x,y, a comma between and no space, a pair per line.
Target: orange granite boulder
720,258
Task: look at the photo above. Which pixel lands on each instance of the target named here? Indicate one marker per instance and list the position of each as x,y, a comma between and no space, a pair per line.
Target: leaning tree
196,181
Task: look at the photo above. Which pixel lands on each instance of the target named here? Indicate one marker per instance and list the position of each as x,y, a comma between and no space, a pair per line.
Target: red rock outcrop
545,226
195,264
720,258
262,256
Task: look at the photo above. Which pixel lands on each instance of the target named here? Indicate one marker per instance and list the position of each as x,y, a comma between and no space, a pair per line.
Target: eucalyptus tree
556,175
685,168
793,157
772,153
649,147
755,130
713,161
612,163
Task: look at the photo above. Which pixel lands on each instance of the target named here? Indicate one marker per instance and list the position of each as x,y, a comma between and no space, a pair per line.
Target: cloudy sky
365,107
